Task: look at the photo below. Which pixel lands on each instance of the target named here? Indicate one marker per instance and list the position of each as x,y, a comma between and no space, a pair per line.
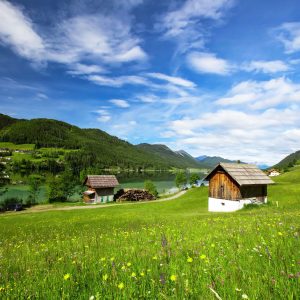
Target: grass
12,146
167,250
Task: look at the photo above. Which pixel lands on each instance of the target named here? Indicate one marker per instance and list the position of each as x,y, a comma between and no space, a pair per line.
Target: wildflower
142,274
202,256
92,298
123,268
104,277
212,245
121,285
238,290
189,259
133,274
129,264
154,257
2,289
173,277
280,233
60,259
244,296
102,259
112,259
67,276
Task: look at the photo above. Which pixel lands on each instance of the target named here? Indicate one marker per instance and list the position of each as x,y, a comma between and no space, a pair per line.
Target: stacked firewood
136,195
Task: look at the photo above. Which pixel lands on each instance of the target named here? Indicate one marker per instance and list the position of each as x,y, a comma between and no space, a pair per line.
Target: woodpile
136,195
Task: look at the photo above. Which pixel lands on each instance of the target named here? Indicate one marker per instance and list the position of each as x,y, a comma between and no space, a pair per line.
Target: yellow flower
123,268
2,289
203,256
189,260
154,257
280,233
102,259
121,285
129,264
173,277
112,259
104,277
142,274
133,274
67,276
212,245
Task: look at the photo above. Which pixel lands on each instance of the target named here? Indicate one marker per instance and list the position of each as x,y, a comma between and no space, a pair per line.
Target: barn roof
101,181
243,174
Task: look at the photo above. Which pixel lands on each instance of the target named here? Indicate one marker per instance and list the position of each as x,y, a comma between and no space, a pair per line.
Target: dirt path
49,207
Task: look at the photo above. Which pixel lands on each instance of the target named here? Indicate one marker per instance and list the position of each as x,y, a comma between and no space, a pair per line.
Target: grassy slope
254,252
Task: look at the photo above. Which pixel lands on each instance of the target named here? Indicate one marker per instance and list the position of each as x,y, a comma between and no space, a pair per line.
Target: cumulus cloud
120,103
262,94
289,35
203,62
268,67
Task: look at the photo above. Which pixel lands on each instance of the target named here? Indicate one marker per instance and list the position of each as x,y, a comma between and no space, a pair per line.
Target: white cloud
82,69
262,94
120,103
103,115
208,63
184,23
268,67
87,37
173,79
289,35
118,81
17,31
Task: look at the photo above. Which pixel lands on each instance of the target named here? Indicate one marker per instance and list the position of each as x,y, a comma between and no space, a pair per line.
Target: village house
100,188
231,186
273,172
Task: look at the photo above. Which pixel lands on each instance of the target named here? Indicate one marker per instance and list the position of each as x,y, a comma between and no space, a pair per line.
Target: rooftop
244,174
101,181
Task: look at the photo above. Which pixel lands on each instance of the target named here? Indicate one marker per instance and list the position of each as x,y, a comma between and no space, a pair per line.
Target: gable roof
243,174
101,181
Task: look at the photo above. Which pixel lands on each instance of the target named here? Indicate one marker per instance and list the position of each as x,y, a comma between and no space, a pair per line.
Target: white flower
244,296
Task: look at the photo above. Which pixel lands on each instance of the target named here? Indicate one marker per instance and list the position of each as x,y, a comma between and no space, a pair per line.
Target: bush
150,187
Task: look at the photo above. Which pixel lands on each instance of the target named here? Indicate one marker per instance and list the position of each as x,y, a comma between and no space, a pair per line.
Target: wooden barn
100,188
231,186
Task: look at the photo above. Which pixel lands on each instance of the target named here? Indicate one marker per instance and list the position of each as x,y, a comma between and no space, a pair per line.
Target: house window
223,203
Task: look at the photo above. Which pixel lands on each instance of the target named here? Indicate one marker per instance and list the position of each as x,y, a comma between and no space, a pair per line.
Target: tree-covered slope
288,161
212,161
6,121
96,147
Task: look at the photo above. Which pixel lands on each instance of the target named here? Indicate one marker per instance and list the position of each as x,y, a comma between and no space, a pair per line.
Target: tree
180,179
4,179
194,178
35,182
150,187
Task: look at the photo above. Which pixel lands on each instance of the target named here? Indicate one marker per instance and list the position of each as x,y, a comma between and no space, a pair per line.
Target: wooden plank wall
221,186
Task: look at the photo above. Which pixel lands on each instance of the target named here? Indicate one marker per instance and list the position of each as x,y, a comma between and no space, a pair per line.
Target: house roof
101,181
243,174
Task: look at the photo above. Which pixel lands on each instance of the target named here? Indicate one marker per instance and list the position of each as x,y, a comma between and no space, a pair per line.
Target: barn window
223,203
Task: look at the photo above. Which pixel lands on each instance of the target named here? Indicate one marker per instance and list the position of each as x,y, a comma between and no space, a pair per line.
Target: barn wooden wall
221,186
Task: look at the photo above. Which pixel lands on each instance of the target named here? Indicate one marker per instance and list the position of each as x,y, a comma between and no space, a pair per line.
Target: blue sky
210,77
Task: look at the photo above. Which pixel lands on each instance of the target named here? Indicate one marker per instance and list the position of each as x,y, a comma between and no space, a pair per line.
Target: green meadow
165,250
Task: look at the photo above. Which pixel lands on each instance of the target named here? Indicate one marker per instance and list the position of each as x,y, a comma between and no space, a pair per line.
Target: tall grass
166,250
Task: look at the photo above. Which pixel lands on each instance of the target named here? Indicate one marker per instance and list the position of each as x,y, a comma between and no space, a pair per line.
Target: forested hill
95,147
288,161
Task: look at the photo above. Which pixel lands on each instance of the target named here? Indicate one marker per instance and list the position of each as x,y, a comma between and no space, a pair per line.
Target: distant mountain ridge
212,161
181,157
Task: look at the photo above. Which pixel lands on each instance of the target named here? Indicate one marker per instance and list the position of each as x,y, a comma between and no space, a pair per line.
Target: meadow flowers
173,277
105,277
67,276
189,260
121,286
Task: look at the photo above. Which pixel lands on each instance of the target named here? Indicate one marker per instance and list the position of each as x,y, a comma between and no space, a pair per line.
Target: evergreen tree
150,187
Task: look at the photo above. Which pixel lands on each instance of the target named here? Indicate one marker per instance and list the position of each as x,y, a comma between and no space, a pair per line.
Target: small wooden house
273,173
100,188
231,186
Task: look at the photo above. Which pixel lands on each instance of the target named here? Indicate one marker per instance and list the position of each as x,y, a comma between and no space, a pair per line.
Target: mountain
180,158
288,161
212,161
95,148
6,121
